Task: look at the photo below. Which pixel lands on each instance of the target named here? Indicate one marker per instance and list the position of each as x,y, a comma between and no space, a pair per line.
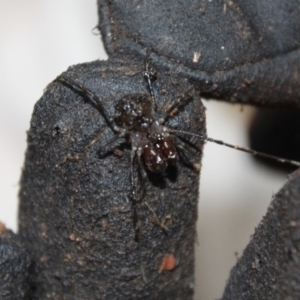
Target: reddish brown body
148,136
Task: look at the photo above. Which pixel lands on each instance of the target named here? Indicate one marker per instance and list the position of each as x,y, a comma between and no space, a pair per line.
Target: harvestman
155,145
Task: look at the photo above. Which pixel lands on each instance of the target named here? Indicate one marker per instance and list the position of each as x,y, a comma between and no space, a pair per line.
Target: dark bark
249,50
82,236
269,267
15,267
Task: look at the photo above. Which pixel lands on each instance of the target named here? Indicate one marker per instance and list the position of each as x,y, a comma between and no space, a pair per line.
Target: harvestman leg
94,99
110,144
184,147
141,191
171,111
181,102
149,76
143,173
120,132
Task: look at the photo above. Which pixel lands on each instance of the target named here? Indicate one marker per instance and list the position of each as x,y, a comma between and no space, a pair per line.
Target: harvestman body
155,145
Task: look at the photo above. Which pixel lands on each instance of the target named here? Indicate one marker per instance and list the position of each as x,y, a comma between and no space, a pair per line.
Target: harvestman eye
155,145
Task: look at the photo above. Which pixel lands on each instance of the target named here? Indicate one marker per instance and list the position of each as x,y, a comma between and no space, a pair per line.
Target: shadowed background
39,40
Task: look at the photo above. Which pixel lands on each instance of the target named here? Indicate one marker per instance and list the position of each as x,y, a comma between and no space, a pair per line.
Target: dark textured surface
75,217
82,234
15,267
249,50
269,267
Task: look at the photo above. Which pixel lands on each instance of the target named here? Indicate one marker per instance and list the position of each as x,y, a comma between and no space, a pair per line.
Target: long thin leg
108,146
180,102
148,76
133,199
89,95
244,149
184,147
137,195
143,173
132,185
